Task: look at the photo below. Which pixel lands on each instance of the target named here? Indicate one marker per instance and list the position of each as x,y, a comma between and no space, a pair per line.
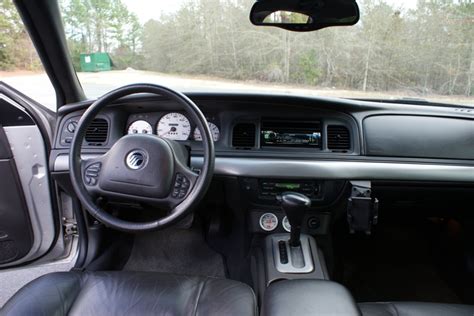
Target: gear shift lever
295,206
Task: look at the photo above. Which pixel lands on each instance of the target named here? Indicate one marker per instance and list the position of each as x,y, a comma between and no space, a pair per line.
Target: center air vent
339,138
97,131
243,135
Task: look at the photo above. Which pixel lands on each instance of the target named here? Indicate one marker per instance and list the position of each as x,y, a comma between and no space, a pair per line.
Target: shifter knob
295,206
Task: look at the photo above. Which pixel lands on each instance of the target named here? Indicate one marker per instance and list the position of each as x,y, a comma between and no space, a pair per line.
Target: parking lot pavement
39,88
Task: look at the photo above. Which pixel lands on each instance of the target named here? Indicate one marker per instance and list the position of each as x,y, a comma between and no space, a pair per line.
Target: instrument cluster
172,125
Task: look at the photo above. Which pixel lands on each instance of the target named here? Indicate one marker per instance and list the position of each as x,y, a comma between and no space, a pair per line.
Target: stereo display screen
291,134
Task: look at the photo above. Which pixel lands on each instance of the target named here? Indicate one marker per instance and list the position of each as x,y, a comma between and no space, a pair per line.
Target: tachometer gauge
174,126
268,222
140,127
214,132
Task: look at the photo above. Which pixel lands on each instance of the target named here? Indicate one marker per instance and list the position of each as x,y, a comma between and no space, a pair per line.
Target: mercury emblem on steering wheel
136,159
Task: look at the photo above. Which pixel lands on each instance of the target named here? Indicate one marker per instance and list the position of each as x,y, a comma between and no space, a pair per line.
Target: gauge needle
163,134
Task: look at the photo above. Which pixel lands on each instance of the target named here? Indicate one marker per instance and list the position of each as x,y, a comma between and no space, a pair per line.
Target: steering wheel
140,167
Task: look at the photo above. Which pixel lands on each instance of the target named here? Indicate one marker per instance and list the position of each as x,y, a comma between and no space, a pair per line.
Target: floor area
173,250
400,262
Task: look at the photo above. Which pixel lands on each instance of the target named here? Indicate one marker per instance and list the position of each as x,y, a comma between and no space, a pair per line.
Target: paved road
38,86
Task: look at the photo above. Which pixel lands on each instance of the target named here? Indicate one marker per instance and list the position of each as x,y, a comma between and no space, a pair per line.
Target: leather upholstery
130,293
415,309
308,297
320,297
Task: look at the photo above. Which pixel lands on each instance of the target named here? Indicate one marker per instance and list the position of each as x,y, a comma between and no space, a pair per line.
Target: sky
146,9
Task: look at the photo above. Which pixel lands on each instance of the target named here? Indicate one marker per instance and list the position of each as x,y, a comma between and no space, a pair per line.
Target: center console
265,213
285,262
291,256
308,297
284,216
296,279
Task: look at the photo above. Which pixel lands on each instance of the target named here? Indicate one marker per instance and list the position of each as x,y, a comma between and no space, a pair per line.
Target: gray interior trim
324,169
306,254
28,150
62,161
342,170
275,271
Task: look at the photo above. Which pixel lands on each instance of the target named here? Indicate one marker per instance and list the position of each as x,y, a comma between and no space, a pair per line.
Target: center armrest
308,297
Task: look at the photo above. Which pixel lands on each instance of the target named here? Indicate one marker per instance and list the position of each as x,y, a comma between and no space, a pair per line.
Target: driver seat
131,293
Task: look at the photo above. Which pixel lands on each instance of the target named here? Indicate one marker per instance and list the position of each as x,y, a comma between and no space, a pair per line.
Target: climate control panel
271,188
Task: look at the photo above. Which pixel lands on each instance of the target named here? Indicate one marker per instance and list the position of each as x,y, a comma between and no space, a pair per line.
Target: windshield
398,49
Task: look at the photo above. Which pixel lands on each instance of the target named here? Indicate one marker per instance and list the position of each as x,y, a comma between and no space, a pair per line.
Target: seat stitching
201,289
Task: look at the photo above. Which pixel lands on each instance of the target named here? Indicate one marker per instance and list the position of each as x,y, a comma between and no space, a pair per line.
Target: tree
102,26
16,49
425,50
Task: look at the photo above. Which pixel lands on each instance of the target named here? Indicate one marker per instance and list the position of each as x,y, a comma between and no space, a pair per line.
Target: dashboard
268,136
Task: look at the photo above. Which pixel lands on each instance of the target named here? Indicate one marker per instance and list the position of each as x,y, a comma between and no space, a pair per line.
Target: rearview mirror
304,15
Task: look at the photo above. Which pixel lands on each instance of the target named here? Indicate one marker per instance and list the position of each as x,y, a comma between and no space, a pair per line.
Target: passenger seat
415,309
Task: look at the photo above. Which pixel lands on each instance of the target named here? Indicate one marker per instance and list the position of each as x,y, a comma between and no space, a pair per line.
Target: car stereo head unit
290,133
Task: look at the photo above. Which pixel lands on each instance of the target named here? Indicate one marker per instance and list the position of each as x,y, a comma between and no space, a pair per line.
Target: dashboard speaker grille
243,135
97,131
338,138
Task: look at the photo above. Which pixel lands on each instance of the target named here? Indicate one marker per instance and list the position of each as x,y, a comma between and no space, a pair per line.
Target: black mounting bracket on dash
362,208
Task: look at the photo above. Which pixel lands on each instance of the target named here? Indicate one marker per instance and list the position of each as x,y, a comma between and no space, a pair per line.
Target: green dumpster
95,62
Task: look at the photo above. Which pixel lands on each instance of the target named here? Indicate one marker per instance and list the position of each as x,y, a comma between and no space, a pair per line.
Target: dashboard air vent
339,138
97,131
243,135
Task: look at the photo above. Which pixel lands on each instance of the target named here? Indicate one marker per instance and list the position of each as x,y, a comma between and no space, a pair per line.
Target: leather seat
130,293
415,309
320,297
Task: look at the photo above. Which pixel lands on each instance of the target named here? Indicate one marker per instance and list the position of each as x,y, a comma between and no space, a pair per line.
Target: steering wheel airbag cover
152,178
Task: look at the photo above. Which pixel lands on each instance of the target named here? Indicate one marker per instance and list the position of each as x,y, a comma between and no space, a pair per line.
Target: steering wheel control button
136,159
92,173
181,186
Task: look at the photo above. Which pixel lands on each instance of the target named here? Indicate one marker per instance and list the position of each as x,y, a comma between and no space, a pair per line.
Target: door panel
27,223
16,238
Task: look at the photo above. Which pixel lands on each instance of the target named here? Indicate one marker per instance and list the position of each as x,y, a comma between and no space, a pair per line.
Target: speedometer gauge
174,126
140,127
214,132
